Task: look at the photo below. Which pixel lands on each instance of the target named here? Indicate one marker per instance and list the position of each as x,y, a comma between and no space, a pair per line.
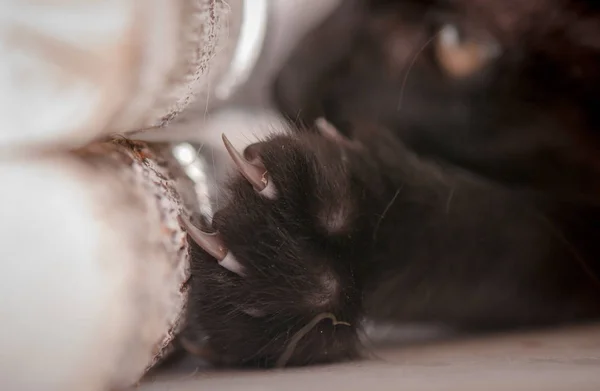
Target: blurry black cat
463,186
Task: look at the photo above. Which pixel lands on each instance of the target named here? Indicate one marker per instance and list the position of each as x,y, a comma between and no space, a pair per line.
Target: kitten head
507,89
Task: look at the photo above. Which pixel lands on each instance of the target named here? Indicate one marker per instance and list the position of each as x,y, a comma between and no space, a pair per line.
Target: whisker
387,208
572,249
410,67
291,347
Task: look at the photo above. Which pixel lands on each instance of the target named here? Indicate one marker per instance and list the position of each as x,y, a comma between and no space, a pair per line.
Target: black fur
474,202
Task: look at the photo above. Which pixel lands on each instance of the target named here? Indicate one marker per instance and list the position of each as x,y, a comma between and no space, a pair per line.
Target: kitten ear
330,132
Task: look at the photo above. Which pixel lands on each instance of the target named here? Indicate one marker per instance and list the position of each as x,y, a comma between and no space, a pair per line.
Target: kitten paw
275,282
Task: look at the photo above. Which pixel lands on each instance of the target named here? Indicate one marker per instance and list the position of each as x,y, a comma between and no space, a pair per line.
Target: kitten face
503,88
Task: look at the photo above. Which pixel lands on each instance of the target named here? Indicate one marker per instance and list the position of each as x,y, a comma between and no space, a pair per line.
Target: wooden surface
566,360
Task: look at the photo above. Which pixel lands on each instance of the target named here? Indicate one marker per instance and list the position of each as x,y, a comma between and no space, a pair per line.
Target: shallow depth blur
105,318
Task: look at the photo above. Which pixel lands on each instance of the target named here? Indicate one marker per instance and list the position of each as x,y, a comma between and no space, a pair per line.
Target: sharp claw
211,242
232,264
257,176
329,131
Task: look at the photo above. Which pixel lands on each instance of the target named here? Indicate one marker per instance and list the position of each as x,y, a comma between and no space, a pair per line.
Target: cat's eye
461,54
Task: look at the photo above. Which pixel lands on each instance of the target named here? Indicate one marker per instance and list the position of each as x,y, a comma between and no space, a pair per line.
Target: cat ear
330,132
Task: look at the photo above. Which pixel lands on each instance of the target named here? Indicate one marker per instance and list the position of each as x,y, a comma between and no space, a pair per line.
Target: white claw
212,243
269,191
256,175
230,263
329,131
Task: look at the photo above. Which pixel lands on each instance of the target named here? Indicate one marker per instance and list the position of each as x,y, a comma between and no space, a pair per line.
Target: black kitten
466,189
